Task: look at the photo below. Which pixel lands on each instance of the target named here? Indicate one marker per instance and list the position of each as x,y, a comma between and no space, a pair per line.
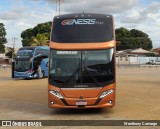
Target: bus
82,61
27,61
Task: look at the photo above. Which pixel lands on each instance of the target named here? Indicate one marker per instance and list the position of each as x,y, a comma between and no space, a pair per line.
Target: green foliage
122,32
32,33
151,55
137,33
2,48
26,42
132,39
3,40
43,28
10,51
39,40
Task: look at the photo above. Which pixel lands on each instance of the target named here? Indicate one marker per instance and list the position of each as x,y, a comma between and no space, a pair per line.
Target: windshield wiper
73,74
91,75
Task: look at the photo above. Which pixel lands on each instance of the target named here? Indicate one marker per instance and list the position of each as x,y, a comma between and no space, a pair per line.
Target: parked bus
82,61
29,59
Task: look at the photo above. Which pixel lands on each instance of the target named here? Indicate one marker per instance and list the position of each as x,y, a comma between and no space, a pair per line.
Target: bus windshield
22,65
25,52
90,68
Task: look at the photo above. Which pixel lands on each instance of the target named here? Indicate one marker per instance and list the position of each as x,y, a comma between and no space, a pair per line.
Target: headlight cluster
55,93
106,93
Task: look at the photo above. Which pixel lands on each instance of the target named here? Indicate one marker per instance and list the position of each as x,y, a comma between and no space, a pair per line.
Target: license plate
81,102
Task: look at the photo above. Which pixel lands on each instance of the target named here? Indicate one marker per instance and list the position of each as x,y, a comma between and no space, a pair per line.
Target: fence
4,66
135,62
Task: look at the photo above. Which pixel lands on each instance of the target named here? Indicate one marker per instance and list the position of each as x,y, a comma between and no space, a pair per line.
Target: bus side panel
44,67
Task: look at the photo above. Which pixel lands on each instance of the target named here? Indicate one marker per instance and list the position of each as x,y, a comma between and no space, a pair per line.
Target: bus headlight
55,93
106,93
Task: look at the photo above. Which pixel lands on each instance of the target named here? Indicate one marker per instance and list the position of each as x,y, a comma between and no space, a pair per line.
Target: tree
122,32
43,28
39,40
27,35
137,33
9,52
132,39
3,40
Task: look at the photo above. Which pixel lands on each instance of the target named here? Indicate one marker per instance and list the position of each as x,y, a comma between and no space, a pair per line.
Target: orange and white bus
82,61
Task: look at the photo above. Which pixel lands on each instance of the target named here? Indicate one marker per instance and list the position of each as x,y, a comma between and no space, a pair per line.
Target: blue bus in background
29,59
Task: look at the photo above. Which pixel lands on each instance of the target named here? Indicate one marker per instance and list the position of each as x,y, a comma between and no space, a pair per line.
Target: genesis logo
78,21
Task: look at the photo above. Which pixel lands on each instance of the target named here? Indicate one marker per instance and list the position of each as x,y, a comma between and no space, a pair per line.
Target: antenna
58,6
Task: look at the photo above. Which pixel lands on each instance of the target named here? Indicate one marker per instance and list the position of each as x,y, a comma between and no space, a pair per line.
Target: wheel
42,74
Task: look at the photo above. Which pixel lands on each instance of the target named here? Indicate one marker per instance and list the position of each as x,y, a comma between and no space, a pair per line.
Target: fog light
52,102
110,101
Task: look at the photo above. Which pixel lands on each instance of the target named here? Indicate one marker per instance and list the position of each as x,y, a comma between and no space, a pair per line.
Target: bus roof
84,15
33,47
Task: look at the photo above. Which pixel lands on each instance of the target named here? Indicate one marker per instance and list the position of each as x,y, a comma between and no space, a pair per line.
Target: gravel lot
138,98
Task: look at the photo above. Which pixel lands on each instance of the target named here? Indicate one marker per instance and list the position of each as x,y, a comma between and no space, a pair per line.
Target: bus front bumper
96,106
108,101
24,75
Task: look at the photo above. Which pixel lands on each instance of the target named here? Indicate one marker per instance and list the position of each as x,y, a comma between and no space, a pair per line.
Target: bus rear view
82,61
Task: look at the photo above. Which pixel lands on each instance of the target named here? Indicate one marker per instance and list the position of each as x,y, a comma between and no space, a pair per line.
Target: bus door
41,61
44,67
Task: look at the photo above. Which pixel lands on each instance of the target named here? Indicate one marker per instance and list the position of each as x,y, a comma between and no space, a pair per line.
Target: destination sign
66,52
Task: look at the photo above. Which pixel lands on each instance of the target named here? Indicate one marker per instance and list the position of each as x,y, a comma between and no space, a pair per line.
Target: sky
19,15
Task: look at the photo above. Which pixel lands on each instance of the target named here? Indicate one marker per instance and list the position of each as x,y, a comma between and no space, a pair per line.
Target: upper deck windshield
25,53
82,28
94,68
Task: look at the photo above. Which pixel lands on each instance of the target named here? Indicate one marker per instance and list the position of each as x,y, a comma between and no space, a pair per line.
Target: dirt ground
137,98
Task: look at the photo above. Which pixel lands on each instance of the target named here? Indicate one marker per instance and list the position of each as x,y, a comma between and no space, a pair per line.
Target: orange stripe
82,46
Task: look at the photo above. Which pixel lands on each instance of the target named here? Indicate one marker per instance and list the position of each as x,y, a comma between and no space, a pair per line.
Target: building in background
5,59
133,56
157,50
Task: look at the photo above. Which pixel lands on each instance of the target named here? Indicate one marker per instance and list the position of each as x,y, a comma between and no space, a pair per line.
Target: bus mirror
35,57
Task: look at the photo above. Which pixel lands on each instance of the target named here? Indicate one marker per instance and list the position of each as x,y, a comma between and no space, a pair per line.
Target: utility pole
14,39
13,63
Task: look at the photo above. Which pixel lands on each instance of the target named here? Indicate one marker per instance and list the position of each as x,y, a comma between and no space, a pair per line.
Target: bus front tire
42,74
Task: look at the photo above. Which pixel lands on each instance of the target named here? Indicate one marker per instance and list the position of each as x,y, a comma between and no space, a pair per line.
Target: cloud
98,6
130,14
141,14
145,18
23,16
13,14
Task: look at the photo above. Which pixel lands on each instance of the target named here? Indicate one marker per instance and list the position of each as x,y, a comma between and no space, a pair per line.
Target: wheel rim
42,74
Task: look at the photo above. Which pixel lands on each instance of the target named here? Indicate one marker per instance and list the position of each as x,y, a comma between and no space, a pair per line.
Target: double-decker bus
82,61
27,61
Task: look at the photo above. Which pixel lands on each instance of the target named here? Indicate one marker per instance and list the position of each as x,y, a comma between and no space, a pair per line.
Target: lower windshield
23,65
92,68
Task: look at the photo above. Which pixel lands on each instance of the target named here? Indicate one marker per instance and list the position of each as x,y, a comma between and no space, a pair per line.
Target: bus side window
38,51
42,51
